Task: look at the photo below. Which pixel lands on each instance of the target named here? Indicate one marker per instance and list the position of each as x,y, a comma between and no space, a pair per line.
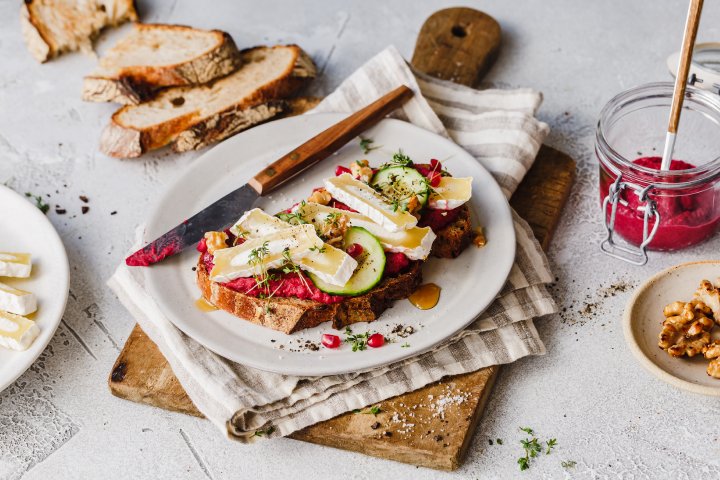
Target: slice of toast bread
152,56
198,115
51,27
290,315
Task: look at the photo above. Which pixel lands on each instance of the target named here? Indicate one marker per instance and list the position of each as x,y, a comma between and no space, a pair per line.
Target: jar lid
704,68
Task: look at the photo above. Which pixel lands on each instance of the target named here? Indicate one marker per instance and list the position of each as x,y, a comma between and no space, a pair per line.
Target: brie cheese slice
363,198
330,264
17,332
415,242
264,253
256,223
16,301
15,264
451,193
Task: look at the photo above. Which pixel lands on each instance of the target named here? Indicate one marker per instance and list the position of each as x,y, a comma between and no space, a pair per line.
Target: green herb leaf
267,431
39,202
366,145
358,340
568,464
550,445
405,345
499,441
524,463
527,430
374,410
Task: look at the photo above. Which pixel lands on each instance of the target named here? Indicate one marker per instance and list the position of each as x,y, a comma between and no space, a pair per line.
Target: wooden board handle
458,44
327,142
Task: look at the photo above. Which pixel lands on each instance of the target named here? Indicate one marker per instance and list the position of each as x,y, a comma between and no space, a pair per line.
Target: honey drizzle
426,296
204,306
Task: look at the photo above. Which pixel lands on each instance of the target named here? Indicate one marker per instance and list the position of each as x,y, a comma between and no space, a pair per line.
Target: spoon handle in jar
691,28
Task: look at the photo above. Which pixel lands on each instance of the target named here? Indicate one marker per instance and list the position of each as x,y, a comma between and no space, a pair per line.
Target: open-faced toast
290,315
152,56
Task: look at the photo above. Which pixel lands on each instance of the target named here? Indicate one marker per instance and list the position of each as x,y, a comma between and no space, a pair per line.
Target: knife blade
229,208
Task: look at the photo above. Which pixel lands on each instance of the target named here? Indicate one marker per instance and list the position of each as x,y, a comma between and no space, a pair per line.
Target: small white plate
643,320
469,283
24,228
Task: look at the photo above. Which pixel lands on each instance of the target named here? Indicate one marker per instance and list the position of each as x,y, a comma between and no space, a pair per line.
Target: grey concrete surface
608,415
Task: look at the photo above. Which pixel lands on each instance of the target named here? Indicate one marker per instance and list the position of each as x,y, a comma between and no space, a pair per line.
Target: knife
231,207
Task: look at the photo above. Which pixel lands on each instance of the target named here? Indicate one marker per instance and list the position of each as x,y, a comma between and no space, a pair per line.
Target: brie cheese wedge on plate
451,193
15,264
414,242
330,264
17,301
264,253
16,332
363,198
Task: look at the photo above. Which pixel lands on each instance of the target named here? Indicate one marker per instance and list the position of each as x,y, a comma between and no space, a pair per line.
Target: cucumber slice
401,183
370,269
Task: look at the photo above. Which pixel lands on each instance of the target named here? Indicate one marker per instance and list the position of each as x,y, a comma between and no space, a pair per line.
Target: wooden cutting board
457,44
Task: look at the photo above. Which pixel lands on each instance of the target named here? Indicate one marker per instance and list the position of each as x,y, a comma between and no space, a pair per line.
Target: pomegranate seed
330,341
434,179
340,170
354,250
202,246
376,340
435,164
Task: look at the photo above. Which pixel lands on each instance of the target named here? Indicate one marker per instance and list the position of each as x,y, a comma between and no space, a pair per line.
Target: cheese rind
452,192
15,264
363,198
238,261
17,301
16,332
415,242
331,265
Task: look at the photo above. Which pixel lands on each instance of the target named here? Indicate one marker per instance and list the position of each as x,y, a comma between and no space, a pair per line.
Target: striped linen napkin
499,129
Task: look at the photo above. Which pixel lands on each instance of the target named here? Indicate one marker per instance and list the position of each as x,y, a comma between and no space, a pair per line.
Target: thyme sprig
366,145
358,340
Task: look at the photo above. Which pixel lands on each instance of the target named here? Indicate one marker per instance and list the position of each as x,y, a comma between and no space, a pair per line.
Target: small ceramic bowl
643,320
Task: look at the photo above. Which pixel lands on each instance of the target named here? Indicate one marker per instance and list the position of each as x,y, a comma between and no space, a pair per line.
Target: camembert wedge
17,301
16,332
451,193
256,255
363,198
330,264
15,264
415,242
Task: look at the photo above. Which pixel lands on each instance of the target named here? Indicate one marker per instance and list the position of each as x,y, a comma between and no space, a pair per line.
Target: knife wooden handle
327,142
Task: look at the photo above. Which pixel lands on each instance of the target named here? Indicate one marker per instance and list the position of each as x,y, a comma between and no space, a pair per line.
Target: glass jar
649,208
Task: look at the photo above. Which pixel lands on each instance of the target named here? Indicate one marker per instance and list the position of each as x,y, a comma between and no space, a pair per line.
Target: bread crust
203,131
135,84
290,315
39,38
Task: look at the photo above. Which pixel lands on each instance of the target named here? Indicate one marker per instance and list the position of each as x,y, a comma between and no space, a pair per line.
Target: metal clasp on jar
635,255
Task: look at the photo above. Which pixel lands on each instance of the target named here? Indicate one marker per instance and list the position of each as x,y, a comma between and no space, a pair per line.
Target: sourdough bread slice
207,112
153,56
290,315
51,27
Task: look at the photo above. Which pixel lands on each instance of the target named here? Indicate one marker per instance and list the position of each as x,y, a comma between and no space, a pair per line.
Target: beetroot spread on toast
293,283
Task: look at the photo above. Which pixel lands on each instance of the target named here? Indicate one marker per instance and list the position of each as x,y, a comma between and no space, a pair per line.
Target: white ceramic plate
643,320
23,228
469,283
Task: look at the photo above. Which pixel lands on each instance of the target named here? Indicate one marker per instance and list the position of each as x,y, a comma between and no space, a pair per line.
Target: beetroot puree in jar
687,216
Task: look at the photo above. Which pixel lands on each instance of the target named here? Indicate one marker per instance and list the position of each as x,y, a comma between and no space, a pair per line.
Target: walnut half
686,330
